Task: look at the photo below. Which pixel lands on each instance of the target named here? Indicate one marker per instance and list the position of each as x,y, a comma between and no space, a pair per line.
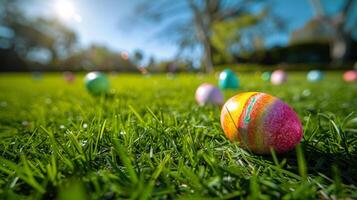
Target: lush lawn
149,139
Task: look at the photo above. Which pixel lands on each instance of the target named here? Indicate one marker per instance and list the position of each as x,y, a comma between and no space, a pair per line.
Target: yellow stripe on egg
230,120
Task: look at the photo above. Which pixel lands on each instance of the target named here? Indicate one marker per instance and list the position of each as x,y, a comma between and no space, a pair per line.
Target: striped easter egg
259,121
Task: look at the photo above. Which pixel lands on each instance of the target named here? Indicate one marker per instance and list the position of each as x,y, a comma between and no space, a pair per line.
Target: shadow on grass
322,163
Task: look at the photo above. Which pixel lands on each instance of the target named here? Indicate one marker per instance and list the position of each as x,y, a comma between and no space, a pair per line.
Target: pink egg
208,94
350,76
278,77
69,76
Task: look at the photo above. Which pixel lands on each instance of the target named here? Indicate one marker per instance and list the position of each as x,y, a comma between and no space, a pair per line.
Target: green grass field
150,140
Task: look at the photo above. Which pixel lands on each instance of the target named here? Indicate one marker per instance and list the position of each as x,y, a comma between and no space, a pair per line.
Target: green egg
266,76
97,83
228,80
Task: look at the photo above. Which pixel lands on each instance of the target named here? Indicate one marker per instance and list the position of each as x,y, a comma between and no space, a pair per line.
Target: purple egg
208,94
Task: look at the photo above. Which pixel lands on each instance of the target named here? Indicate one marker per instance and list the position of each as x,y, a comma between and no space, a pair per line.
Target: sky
107,22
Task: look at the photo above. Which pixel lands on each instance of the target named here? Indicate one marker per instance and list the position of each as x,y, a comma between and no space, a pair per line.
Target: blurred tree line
235,31
28,44
224,31
25,41
326,38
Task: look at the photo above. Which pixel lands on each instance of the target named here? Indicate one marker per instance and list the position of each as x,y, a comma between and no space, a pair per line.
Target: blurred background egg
228,80
69,77
315,75
266,76
37,76
350,76
208,94
97,83
278,77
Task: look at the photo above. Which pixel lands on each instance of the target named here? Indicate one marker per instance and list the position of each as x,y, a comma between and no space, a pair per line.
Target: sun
66,11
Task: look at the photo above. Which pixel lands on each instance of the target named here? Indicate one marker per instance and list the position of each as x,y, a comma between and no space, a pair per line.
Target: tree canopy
207,25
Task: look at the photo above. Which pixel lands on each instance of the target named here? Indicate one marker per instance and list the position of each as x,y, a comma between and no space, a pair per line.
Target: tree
33,35
190,22
340,41
227,36
312,31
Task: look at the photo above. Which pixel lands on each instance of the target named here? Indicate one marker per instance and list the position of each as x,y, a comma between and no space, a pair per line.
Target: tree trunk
202,32
207,58
340,43
54,57
340,48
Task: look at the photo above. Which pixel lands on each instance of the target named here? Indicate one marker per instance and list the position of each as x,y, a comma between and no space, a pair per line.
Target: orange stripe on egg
257,136
244,120
250,118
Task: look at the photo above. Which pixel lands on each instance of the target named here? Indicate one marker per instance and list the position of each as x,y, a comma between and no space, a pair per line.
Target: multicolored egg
69,77
228,80
266,76
97,83
208,94
350,76
315,75
259,121
278,77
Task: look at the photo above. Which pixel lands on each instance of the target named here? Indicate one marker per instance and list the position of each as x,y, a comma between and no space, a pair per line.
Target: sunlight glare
66,11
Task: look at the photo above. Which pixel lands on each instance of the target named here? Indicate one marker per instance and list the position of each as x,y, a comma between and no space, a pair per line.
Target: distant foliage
298,53
32,42
45,44
98,57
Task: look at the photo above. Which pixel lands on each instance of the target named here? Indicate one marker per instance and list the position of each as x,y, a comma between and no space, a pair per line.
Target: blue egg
228,80
37,76
315,75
